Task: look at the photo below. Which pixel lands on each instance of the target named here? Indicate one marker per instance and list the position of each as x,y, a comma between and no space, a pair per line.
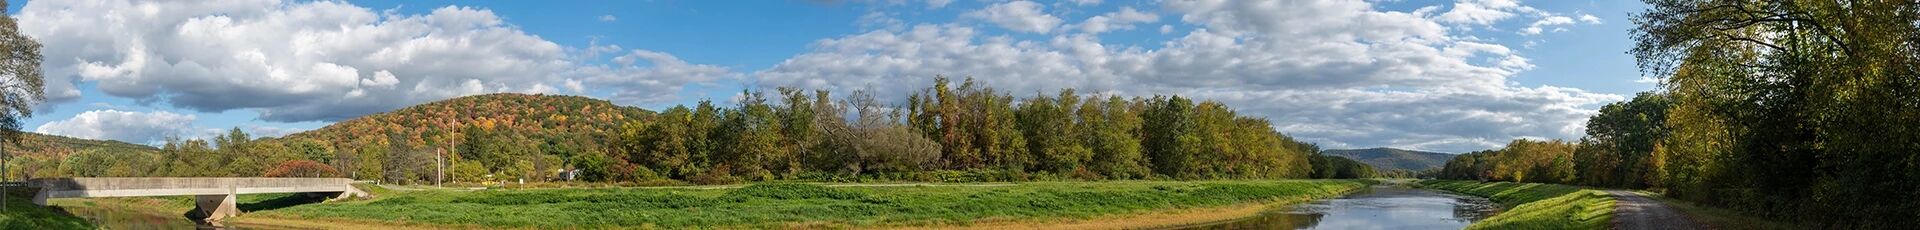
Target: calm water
107,217
1381,207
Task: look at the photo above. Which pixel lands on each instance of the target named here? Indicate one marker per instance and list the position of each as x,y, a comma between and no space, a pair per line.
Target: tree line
944,132
1806,111
967,132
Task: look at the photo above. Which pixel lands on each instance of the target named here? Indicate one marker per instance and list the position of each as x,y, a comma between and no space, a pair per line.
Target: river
1378,207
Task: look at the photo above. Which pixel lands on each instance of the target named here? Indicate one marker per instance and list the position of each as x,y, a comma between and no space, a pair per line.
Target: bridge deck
181,186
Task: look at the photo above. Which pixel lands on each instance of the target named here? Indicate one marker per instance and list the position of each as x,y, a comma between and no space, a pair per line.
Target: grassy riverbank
789,205
1536,206
21,213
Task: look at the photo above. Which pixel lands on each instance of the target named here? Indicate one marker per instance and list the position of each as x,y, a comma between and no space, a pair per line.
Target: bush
302,168
719,175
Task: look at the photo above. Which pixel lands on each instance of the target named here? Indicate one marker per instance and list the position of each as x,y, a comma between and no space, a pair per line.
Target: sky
1446,76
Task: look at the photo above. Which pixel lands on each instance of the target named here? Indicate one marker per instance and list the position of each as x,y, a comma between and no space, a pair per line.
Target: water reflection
106,217
121,214
1381,207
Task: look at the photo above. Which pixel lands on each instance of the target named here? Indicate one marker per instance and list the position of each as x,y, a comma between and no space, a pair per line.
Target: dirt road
1633,211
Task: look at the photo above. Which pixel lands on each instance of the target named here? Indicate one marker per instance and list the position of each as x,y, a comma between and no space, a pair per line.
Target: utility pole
3,175
438,172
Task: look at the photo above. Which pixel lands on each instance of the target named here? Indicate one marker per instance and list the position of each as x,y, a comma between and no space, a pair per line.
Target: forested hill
41,155
43,145
1392,158
524,115
527,130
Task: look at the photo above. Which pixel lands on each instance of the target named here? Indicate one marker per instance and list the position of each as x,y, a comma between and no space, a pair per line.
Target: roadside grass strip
1537,206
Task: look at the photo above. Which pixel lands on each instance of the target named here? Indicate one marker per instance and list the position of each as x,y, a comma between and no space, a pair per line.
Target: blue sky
1448,76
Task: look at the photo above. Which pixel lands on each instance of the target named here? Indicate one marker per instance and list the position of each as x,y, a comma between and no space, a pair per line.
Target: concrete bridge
213,196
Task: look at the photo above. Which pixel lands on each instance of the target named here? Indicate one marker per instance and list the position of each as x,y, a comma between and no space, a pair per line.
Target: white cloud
644,76
1337,72
1166,29
608,18
936,4
1483,12
1086,2
295,61
1022,16
1589,19
128,126
1557,23
1124,19
1646,80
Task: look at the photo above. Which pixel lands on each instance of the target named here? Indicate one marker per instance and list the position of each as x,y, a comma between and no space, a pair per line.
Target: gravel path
1633,211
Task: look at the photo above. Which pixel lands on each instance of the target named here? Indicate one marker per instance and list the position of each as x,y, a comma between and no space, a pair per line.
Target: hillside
504,130
42,155
1391,158
541,117
35,144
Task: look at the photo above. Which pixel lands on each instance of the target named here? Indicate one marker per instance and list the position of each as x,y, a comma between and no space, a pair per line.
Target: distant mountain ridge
47,145
1392,158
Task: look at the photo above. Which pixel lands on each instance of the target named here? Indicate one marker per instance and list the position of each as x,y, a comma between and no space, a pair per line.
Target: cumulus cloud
1022,16
1483,12
1589,19
1341,73
128,126
1557,23
291,61
649,77
1124,19
608,18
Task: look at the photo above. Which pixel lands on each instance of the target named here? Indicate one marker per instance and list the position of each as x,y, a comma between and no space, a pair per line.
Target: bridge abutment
216,207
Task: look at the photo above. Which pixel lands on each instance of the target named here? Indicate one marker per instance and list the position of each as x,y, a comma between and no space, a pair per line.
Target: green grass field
1536,206
21,213
774,205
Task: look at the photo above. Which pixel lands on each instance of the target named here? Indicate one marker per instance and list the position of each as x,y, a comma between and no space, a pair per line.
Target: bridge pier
216,207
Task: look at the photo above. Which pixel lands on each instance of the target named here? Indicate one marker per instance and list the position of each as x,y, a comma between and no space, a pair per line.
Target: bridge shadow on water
276,201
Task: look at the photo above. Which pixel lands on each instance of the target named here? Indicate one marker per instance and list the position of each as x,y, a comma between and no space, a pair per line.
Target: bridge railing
163,186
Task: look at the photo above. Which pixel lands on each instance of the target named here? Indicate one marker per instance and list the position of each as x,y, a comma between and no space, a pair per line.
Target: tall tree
21,83
1808,110
1620,142
1109,131
1170,135
1049,128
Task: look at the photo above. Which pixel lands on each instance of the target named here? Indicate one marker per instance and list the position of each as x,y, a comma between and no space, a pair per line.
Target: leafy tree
21,83
301,168
797,124
1334,167
1802,110
1050,132
1110,129
1169,134
89,163
1620,142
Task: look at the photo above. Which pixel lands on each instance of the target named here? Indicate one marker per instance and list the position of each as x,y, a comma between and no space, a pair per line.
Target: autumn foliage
302,168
